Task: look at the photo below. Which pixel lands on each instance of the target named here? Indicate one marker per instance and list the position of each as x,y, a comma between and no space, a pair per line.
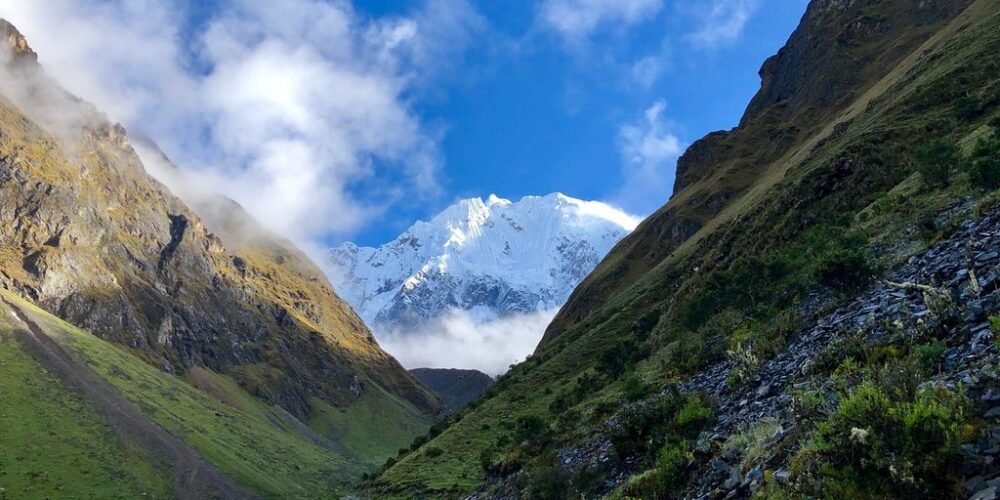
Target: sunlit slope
843,174
54,444
264,448
88,235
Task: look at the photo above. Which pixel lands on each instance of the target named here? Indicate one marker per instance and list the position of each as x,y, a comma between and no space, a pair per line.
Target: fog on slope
459,339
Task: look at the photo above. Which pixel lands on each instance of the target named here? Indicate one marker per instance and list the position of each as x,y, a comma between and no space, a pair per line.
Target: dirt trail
192,476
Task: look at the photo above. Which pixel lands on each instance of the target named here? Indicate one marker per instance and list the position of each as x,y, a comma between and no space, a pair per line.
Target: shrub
966,108
745,364
531,431
694,414
645,324
546,481
846,269
661,481
935,160
433,452
984,163
928,355
634,389
642,427
686,354
418,442
621,357
884,447
753,442
672,460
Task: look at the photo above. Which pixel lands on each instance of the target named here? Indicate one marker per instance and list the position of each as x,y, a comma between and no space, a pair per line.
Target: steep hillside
262,447
491,257
89,236
874,136
55,441
456,388
819,79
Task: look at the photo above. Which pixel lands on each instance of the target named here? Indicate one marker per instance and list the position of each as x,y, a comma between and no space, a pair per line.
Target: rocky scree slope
818,191
899,312
491,257
86,233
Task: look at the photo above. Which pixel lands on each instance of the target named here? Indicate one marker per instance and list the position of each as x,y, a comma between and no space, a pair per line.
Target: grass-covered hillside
263,448
684,349
55,443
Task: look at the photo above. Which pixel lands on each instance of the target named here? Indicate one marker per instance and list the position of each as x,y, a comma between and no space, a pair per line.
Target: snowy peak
493,257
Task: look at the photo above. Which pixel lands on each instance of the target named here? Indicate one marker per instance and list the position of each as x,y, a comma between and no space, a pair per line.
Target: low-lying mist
460,340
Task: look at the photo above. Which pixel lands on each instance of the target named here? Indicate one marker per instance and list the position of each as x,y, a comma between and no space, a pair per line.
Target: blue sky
546,117
333,121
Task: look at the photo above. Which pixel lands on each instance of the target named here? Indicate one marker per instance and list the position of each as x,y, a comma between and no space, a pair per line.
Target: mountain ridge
91,237
491,256
658,377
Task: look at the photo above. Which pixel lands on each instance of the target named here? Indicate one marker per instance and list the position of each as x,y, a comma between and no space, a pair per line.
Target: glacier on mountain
490,258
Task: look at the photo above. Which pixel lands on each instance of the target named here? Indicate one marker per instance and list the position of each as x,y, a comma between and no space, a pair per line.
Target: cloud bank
284,106
459,340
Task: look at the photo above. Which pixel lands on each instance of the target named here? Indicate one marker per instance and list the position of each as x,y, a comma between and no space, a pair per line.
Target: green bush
634,389
845,269
531,430
645,325
642,427
433,452
878,446
935,161
984,163
966,109
662,480
621,357
686,354
694,414
929,355
546,481
671,462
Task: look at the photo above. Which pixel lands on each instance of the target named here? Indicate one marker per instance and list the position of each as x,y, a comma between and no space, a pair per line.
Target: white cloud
459,340
649,152
575,20
721,22
647,71
283,106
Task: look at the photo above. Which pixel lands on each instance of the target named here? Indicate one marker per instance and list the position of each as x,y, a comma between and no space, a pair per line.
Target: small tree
935,160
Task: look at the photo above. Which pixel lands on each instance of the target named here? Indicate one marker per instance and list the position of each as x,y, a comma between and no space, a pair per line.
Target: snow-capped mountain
489,257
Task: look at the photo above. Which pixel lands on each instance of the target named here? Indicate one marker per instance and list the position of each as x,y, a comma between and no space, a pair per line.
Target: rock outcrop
86,233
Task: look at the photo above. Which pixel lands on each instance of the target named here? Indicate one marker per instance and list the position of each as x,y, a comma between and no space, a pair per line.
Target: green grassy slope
846,191
53,444
262,447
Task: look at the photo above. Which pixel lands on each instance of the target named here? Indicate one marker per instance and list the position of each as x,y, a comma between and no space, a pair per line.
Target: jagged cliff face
85,232
841,49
